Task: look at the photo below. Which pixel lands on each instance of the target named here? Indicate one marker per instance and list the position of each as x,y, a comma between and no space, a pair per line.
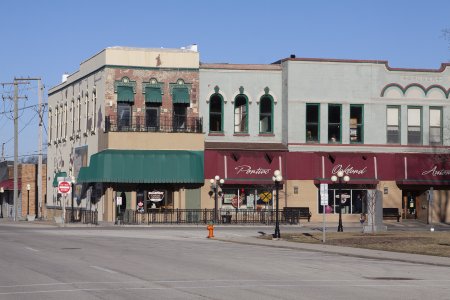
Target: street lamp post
28,198
2,191
72,215
277,178
215,183
339,178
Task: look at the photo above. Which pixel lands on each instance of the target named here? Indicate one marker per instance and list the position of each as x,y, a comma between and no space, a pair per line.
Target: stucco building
126,127
146,130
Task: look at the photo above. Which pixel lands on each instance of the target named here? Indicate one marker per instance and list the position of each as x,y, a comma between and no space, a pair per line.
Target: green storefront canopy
144,166
125,94
180,95
153,95
55,179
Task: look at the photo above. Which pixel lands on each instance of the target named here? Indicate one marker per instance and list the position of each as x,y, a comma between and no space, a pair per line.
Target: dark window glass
240,115
215,113
265,115
123,115
334,123
312,122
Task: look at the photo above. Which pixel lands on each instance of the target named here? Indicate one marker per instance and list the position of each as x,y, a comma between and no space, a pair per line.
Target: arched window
266,114
216,113
241,114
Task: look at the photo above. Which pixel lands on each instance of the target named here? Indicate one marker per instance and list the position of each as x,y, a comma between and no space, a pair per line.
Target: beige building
125,130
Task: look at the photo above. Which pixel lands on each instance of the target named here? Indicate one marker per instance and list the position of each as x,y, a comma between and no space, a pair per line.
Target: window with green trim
435,126
312,123
393,124
334,123
356,123
266,114
241,114
414,126
216,113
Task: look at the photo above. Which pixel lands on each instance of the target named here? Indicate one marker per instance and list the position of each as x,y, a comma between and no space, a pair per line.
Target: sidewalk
345,251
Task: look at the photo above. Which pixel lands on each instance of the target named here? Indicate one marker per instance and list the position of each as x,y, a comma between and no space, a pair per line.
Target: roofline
360,61
226,66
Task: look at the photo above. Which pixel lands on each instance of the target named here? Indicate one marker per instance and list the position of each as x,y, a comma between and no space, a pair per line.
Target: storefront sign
155,196
348,170
246,169
436,172
265,197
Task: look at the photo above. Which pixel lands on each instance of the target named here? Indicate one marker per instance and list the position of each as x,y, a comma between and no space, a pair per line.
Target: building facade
125,129
147,129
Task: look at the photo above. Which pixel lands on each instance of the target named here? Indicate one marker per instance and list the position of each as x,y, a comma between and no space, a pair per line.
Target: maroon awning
244,167
8,184
360,167
423,169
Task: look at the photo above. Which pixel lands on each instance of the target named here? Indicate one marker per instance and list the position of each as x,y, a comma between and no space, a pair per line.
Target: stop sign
64,187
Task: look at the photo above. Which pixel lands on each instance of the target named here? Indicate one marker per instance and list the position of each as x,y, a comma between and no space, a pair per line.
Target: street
47,262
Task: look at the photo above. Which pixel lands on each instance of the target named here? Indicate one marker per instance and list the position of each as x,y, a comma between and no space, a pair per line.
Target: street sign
64,187
324,194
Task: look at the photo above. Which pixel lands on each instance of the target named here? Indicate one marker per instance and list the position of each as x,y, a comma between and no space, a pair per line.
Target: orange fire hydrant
210,228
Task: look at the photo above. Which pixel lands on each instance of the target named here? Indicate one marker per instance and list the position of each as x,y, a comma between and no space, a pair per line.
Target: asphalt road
39,262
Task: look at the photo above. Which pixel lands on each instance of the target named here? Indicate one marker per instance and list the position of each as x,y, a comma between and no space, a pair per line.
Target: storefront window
247,198
353,201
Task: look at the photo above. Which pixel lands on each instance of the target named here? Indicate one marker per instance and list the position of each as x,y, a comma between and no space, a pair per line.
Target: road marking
103,269
31,249
244,286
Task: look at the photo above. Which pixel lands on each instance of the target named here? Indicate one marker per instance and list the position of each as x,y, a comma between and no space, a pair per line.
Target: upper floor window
241,114
334,123
266,114
216,113
356,123
312,122
435,126
414,126
123,116
393,124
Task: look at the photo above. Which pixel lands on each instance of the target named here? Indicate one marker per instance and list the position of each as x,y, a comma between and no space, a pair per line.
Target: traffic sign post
64,187
324,203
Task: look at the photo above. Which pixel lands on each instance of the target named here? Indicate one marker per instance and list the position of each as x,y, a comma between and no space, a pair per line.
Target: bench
293,214
391,212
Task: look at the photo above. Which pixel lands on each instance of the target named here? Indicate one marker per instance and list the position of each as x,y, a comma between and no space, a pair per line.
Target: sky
46,38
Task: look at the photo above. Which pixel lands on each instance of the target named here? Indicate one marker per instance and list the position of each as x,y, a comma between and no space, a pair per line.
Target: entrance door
409,204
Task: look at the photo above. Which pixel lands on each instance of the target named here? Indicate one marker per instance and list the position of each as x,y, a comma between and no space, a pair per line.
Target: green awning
55,179
125,94
153,95
180,95
144,166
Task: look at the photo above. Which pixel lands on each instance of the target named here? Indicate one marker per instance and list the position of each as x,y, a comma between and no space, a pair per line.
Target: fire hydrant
210,228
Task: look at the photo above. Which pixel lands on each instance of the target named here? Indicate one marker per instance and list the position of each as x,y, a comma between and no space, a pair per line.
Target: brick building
27,196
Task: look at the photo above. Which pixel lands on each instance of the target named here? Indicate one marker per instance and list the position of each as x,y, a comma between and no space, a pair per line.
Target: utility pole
16,138
39,182
16,98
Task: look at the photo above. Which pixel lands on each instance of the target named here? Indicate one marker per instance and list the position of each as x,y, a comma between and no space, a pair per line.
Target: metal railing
205,216
81,216
163,124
